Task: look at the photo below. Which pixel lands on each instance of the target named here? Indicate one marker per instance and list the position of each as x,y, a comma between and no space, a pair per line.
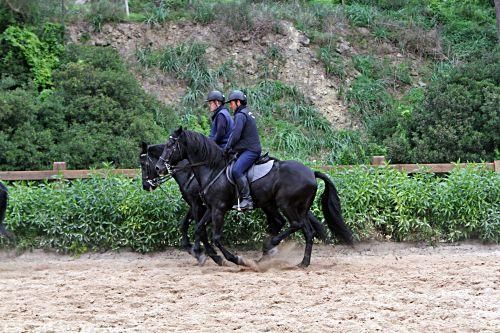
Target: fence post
496,164
59,166
378,160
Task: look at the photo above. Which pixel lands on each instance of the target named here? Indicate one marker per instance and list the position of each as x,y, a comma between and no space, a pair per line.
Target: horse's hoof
219,260
192,252
249,263
202,258
302,265
273,251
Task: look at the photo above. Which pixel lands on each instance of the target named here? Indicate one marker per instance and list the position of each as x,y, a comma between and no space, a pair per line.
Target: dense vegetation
114,212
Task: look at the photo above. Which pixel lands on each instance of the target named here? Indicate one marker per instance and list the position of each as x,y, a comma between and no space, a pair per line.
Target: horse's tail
330,204
3,208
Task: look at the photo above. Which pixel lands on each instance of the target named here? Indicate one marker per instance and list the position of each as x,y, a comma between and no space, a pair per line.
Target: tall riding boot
246,202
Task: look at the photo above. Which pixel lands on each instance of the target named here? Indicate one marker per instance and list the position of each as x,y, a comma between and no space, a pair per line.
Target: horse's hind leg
186,245
318,228
298,221
272,242
309,236
275,222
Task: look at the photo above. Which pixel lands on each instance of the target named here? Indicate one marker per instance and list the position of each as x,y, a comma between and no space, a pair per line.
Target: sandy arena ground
376,287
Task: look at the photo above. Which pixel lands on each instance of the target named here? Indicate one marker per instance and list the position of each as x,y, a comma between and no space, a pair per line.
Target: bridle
167,161
157,181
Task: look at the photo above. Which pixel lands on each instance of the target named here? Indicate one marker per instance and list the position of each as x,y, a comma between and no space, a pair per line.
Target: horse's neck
204,173
182,177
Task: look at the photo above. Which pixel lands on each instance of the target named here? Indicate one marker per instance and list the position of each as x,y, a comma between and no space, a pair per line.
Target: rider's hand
228,153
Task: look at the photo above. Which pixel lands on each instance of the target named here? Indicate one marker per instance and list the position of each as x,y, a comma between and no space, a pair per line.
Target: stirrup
238,207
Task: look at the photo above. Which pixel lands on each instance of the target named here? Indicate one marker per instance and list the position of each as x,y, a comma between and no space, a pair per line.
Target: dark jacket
222,126
245,135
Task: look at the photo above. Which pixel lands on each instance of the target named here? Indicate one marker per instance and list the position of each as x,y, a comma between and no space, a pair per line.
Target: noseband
166,162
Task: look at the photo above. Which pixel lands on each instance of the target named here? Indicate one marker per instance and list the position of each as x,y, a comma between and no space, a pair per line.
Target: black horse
3,207
190,190
289,188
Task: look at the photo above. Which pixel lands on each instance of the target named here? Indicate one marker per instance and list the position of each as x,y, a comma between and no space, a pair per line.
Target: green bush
390,204
459,120
96,112
382,203
40,54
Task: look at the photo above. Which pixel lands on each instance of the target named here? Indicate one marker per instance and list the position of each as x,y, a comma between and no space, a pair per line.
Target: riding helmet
237,95
215,95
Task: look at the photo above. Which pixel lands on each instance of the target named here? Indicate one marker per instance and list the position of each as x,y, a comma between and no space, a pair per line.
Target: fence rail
59,170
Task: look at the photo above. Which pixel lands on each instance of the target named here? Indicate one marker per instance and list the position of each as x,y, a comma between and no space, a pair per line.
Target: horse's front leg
218,223
198,235
184,226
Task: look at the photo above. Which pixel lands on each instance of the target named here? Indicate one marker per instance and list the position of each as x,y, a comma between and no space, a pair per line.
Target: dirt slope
301,68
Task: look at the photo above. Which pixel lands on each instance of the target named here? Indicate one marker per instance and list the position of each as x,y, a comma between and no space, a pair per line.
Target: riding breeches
244,162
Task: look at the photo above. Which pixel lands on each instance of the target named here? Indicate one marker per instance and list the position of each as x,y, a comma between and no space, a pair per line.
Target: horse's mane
156,150
205,148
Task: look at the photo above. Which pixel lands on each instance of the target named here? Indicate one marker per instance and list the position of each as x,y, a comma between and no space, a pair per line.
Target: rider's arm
221,128
239,124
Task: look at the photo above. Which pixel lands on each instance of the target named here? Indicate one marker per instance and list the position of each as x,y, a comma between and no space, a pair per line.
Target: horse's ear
178,131
144,147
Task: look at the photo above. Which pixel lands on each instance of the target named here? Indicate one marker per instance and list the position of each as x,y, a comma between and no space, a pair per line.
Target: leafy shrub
24,142
460,115
360,15
41,55
114,212
95,112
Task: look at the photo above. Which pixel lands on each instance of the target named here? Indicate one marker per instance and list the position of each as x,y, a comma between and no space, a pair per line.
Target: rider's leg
242,164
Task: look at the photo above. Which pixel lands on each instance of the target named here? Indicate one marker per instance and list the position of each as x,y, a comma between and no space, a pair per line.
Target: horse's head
173,152
148,158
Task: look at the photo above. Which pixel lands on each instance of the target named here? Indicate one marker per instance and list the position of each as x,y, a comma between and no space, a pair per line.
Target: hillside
331,82
298,66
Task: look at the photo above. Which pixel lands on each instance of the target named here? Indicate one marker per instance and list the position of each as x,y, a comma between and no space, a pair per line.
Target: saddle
259,169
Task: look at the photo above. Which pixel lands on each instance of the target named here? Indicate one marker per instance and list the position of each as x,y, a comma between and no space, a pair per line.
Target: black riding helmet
215,95
237,95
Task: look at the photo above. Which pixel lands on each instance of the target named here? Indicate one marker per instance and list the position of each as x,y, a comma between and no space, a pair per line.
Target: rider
222,122
245,141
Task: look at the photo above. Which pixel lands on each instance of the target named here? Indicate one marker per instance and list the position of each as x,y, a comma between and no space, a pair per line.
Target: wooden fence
59,170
